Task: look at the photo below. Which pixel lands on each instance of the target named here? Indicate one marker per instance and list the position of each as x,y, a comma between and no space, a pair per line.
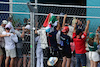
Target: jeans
39,54
80,60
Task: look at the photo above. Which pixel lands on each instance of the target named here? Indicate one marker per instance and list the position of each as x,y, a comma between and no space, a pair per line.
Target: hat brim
49,64
4,23
64,31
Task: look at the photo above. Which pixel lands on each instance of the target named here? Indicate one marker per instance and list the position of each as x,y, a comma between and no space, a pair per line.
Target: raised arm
65,16
87,26
58,18
98,29
74,31
97,35
23,33
58,26
36,27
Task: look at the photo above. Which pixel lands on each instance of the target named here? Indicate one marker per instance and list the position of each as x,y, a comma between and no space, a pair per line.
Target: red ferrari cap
65,29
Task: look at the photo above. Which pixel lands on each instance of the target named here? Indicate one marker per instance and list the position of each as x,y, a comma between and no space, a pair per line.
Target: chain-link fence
4,7
59,10
20,20
24,17
79,12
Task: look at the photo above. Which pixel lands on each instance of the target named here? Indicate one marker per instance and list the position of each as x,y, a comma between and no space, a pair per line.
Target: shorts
1,52
26,49
93,55
19,52
11,53
66,53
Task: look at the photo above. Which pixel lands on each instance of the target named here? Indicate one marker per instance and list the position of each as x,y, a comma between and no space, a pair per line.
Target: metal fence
39,14
21,18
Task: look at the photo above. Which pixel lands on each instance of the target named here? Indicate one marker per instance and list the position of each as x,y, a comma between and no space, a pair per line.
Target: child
10,46
65,43
79,38
93,55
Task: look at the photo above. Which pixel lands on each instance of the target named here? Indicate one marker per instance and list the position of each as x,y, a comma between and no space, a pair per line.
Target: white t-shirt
12,28
10,40
71,29
43,38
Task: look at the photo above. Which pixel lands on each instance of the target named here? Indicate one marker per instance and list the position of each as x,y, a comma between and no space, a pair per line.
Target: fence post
36,4
36,10
11,7
32,41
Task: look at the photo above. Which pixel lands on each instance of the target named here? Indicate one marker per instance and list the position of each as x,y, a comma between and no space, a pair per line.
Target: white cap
8,26
33,28
28,27
52,61
4,22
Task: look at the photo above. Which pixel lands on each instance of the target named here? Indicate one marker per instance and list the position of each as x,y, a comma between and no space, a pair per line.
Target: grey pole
32,17
31,38
32,41
36,11
33,20
10,8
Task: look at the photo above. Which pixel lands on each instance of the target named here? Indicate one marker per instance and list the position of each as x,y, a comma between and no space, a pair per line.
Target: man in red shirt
79,38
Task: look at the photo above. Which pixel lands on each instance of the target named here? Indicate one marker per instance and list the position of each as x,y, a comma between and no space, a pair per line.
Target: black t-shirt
65,39
27,39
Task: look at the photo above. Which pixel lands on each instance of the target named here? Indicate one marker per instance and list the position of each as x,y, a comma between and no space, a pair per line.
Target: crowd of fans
66,41
11,44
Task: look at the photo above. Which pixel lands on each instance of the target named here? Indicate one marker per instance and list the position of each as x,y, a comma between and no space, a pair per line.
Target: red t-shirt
80,43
